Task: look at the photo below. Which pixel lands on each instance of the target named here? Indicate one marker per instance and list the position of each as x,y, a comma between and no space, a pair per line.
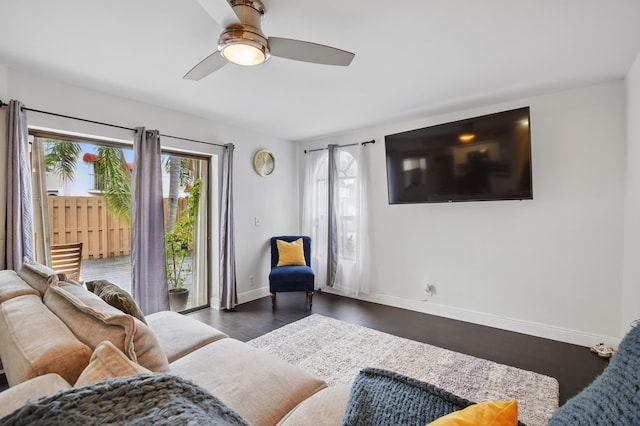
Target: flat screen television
476,159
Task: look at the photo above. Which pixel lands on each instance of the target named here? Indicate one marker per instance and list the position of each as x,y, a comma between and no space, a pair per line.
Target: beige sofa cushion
92,320
179,334
38,276
11,285
33,342
325,408
259,386
16,396
108,362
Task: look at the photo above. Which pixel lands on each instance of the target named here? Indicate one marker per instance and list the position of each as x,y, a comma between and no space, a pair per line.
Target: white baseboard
244,297
254,294
214,303
575,337
546,331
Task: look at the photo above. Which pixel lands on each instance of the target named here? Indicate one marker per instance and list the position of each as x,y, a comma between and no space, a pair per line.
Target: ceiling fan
243,42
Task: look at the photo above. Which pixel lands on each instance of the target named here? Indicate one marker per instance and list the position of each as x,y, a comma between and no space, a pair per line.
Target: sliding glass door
185,185
82,193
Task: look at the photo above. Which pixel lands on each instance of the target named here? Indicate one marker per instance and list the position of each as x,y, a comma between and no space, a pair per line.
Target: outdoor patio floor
117,270
113,269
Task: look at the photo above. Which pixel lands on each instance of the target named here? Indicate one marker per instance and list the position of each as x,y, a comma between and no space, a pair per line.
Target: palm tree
173,164
181,175
114,180
113,176
61,158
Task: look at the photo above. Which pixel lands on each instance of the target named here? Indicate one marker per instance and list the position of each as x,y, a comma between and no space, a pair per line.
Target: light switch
258,222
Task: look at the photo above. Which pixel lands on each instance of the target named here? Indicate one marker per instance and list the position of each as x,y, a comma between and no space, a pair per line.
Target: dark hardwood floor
573,366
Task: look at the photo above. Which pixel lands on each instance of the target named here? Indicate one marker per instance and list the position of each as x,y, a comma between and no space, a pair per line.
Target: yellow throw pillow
290,253
490,413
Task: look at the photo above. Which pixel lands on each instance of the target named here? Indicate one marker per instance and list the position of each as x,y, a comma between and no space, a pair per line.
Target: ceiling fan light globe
244,54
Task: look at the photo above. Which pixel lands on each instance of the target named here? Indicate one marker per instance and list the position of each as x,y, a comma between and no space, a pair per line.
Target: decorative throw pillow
107,362
489,413
290,253
93,321
37,275
63,278
116,297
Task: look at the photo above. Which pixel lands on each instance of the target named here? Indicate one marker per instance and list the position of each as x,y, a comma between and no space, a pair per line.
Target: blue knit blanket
614,397
381,397
143,399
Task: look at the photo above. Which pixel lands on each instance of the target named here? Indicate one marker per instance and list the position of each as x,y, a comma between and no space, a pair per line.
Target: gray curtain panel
332,222
148,265
19,238
228,291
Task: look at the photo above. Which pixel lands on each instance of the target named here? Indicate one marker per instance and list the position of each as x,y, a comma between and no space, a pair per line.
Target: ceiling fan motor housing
249,30
242,41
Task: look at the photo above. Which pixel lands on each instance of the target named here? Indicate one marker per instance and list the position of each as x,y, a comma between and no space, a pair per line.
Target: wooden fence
87,220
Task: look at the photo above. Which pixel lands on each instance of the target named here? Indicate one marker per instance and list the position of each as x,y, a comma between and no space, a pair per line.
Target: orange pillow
490,413
290,253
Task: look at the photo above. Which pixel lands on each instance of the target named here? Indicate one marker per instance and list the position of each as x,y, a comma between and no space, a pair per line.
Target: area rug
336,351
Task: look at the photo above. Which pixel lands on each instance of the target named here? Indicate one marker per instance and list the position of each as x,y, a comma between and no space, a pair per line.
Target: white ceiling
412,57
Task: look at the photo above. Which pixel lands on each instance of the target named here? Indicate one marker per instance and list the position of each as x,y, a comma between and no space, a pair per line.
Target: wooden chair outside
66,259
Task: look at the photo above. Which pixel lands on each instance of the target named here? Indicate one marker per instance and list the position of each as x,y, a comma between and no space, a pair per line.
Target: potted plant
178,243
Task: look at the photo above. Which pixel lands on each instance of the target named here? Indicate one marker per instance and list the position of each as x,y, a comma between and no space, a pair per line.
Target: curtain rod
2,104
340,146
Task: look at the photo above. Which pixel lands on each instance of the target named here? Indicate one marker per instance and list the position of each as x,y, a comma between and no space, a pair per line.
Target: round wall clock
263,162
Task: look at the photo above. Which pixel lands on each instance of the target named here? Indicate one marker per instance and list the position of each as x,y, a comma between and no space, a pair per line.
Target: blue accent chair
292,277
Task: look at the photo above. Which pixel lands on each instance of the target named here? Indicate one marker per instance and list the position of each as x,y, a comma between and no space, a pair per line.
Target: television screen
477,159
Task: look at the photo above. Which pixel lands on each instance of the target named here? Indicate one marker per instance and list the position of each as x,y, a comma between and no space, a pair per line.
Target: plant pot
178,299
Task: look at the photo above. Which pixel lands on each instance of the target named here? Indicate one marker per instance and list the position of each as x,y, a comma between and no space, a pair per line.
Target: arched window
347,200
349,207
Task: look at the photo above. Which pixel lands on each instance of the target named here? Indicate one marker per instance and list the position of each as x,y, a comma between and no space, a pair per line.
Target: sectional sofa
53,333
72,358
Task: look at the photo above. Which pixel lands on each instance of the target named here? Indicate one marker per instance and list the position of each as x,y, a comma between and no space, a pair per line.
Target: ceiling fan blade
309,52
220,10
211,63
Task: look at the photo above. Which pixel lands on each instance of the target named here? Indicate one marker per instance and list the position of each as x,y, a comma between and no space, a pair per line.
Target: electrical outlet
430,289
252,280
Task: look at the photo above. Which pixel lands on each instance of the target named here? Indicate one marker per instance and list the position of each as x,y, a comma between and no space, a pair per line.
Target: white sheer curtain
348,199
353,275
314,211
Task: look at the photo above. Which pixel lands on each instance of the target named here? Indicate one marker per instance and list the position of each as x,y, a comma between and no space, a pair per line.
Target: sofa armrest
16,396
36,342
11,285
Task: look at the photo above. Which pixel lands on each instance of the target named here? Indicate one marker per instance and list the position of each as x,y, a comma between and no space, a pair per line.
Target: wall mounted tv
477,159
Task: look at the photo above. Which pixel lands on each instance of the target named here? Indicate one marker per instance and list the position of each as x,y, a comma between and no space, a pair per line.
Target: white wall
631,286
4,84
268,198
551,266
4,96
